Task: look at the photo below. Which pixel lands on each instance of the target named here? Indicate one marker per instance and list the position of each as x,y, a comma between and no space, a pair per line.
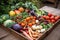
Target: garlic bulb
42,30
36,27
37,21
38,31
41,27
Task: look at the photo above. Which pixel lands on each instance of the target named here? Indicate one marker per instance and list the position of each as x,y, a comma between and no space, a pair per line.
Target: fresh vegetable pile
27,19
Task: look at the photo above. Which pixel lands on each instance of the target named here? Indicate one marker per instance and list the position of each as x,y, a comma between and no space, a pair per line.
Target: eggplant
32,13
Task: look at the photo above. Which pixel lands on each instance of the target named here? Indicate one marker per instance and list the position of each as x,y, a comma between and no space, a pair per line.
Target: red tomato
47,17
49,14
57,17
17,11
44,16
52,21
52,17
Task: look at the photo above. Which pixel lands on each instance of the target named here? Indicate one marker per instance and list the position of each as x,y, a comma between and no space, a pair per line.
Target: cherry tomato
33,22
44,16
49,14
52,21
57,17
30,24
47,17
52,17
27,19
22,24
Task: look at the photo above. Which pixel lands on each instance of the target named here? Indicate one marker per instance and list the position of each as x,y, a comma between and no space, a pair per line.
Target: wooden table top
55,34
54,11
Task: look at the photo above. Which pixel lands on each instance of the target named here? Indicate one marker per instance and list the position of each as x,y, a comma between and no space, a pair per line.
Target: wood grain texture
54,35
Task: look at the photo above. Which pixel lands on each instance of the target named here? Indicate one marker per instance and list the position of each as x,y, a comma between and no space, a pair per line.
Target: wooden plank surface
51,10
55,34
4,35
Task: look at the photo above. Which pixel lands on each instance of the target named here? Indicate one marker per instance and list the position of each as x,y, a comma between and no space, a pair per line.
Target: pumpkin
9,23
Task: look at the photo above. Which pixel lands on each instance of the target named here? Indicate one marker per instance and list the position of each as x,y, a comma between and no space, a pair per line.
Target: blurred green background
6,4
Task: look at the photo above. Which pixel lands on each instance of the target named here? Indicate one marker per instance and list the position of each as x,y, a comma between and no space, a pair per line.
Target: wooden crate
22,37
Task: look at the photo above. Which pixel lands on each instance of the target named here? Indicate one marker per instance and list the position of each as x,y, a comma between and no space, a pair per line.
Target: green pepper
49,25
45,27
41,24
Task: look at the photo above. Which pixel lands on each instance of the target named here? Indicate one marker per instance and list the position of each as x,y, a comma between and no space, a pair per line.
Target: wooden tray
22,37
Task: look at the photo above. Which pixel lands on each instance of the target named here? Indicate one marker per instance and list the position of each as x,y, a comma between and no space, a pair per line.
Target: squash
12,13
5,17
9,23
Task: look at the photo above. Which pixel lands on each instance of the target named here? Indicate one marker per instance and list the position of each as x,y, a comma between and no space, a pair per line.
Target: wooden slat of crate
55,34
3,33
12,34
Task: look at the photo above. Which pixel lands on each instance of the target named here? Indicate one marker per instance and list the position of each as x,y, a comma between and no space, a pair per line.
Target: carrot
27,35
